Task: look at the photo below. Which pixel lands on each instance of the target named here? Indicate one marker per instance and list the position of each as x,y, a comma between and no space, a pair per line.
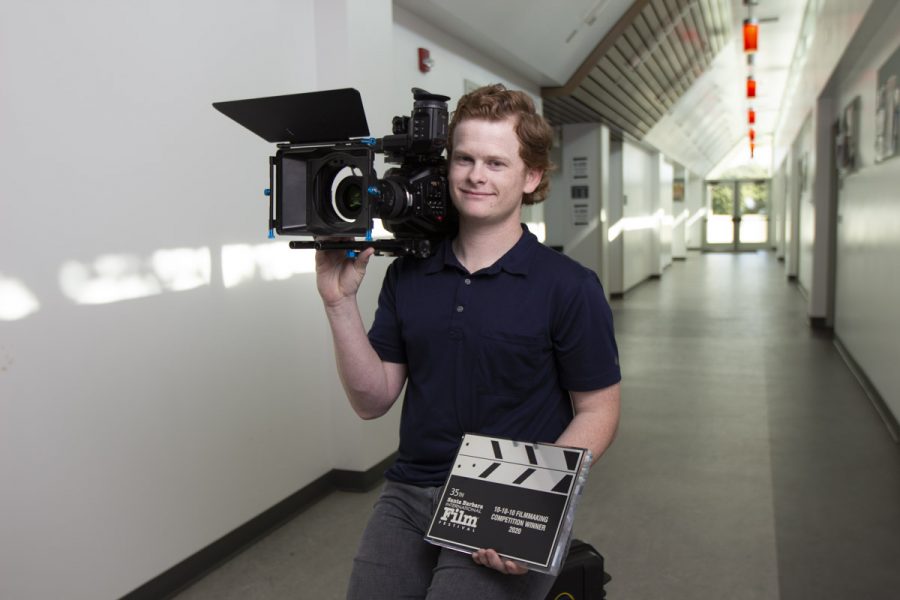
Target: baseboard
621,295
820,323
202,562
361,481
884,411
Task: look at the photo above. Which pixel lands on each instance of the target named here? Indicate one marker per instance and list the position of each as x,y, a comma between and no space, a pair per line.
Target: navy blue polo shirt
493,352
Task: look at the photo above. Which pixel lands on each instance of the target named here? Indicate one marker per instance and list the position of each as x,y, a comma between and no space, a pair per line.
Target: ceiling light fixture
751,35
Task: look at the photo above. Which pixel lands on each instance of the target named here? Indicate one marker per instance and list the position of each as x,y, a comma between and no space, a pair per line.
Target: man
494,334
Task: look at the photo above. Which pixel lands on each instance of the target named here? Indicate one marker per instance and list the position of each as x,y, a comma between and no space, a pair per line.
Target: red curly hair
496,103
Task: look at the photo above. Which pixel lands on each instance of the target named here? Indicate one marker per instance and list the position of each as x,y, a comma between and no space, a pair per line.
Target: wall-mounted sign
580,192
580,214
847,142
579,167
887,109
678,190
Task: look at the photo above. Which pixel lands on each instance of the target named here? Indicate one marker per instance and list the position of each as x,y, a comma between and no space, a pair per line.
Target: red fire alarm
425,62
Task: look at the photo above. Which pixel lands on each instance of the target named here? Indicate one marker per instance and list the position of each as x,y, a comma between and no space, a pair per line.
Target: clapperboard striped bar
517,498
539,467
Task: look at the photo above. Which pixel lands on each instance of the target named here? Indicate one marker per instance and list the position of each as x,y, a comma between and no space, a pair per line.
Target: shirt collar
516,261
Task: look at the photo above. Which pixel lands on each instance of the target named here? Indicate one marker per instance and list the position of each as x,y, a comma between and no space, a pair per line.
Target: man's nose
477,172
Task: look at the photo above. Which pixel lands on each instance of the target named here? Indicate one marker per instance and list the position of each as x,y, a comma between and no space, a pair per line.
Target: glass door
738,215
753,215
720,227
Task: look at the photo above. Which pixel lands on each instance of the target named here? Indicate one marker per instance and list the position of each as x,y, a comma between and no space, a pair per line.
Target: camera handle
401,247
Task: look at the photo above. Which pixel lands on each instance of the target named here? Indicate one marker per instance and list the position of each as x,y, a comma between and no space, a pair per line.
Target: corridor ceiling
671,73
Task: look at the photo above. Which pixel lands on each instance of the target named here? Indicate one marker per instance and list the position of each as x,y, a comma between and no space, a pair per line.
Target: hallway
749,464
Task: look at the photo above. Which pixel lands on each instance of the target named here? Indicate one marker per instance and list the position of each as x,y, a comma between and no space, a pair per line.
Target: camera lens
348,198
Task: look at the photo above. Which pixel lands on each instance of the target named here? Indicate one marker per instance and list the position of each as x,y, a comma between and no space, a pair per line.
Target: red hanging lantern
751,87
751,116
752,148
751,35
752,135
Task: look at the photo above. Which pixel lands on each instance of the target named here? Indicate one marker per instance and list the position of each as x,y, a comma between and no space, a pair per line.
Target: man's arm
594,427
595,422
372,385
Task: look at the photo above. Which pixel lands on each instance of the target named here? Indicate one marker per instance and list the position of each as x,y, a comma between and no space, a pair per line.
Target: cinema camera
323,183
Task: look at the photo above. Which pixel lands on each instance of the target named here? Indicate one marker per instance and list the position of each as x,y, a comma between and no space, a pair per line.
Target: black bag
582,576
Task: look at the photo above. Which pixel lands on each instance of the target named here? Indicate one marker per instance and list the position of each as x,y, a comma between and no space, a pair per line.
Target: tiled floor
748,465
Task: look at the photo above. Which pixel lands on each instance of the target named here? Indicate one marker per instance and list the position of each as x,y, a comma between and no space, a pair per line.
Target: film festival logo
454,516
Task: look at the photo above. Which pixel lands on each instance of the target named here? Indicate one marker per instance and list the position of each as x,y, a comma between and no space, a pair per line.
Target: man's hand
339,277
490,558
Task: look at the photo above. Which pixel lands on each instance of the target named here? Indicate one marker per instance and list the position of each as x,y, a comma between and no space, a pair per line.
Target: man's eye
496,164
462,159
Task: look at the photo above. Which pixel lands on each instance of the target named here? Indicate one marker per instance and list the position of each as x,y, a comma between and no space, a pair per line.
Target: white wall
615,214
804,207
867,251
135,432
868,231
680,214
666,218
583,235
640,226
696,208
454,62
779,195
836,21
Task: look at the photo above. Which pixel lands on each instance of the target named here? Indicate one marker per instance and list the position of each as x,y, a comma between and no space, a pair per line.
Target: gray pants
394,562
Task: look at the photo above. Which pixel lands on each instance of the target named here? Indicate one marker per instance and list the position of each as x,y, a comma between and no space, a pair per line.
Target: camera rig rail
395,247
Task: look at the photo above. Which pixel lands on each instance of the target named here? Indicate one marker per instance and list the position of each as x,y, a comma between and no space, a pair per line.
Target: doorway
737,218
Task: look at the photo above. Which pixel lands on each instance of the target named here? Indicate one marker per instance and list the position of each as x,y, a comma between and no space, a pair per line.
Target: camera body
322,183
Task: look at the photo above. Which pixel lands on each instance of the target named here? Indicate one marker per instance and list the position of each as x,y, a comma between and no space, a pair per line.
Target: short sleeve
583,337
385,335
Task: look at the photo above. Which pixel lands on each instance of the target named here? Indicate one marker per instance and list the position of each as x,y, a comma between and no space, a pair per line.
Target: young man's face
487,175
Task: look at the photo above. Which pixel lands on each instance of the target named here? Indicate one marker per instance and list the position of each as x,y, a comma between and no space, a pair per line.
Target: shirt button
468,281
459,308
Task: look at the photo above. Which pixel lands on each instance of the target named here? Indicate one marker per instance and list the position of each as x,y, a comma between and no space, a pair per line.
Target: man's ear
533,179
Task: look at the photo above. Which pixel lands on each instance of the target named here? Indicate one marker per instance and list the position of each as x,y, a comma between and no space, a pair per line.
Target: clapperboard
517,498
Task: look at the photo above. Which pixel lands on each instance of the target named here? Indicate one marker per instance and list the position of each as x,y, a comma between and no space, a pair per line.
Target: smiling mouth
475,193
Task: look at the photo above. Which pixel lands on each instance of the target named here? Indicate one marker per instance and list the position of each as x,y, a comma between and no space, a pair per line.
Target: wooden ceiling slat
627,108
664,50
622,65
717,24
708,24
609,76
654,39
577,112
622,55
559,114
577,107
696,13
643,40
613,125
677,36
700,60
646,68
623,24
601,106
653,55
